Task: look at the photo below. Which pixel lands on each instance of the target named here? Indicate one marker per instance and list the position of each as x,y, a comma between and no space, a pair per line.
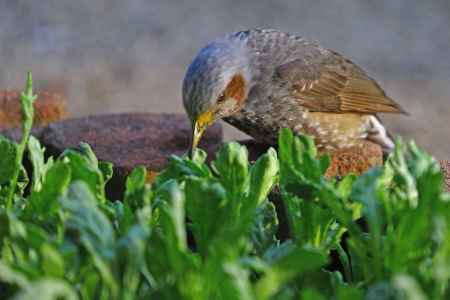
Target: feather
332,83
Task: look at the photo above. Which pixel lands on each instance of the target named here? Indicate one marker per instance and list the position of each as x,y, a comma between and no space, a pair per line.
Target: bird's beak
199,126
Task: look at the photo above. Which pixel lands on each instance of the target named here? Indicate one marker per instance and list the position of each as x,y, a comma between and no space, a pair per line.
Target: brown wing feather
335,84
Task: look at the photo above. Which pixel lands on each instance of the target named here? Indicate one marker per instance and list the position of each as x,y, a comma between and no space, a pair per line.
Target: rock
445,166
15,134
49,107
128,141
354,160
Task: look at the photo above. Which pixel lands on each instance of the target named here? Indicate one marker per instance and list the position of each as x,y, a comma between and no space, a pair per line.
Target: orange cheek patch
236,89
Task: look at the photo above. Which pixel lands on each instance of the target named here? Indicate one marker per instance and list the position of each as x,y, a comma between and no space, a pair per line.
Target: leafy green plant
212,231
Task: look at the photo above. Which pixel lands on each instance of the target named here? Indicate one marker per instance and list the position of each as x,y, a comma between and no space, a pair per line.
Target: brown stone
49,107
129,140
445,166
354,160
15,134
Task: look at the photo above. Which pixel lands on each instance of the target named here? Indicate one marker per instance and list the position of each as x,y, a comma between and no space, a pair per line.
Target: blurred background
121,56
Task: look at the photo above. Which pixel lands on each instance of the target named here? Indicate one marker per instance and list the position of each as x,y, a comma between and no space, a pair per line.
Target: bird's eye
221,98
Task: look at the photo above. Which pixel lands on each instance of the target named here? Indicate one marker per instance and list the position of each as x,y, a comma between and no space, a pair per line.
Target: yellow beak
198,128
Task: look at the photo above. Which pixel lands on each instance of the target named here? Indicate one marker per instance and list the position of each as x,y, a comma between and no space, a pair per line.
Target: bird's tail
378,134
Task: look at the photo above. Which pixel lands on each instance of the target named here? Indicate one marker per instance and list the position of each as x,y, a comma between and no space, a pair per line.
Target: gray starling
262,80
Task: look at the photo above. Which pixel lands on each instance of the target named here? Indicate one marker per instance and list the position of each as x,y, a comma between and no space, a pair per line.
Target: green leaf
121,214
344,186
47,289
172,221
107,170
199,156
313,225
8,153
201,233
26,239
285,141
311,294
397,165
277,251
21,185
87,152
94,230
84,167
44,202
84,216
137,191
11,276
263,233
133,244
37,159
206,207
90,282
180,168
298,159
297,262
231,165
408,287
130,252
52,261
368,192
263,176
349,293
237,284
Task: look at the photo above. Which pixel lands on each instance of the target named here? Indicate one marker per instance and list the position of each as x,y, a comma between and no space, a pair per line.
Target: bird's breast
329,130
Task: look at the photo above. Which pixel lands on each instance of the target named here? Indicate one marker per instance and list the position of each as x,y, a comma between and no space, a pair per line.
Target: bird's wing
332,83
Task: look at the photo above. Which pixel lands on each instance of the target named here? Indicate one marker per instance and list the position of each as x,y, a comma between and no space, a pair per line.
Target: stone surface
354,160
15,134
49,107
129,140
445,166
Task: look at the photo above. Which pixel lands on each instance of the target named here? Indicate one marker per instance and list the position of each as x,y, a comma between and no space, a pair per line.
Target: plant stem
343,257
26,99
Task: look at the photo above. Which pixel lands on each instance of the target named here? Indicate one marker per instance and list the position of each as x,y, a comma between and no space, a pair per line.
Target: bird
262,80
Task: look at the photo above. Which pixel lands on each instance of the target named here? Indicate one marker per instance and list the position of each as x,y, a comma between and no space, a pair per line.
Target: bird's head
216,85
